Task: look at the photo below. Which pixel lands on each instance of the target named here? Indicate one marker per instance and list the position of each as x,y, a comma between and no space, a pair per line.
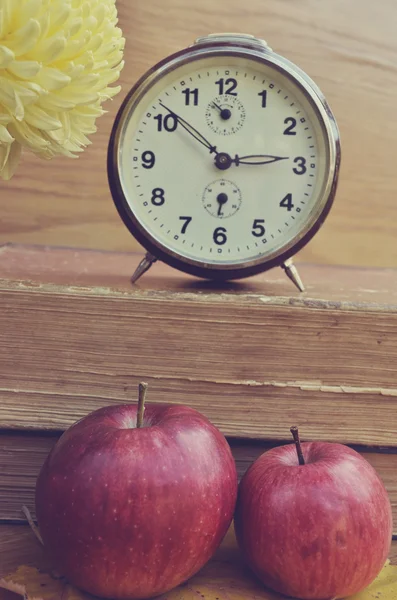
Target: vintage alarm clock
223,160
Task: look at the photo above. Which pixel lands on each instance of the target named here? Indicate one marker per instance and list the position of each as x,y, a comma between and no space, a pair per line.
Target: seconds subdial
225,114
222,198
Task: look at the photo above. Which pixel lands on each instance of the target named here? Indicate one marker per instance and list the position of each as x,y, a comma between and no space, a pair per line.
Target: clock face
223,160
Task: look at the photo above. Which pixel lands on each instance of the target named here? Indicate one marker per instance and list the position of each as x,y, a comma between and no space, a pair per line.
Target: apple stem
141,403
295,434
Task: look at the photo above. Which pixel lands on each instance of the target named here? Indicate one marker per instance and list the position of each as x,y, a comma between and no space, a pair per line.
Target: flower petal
11,161
24,69
41,119
50,49
6,57
5,136
24,39
52,79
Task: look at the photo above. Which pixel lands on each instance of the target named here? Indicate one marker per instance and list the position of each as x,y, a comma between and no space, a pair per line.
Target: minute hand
258,159
190,129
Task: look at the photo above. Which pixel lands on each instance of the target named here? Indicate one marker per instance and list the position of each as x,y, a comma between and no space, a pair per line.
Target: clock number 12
232,83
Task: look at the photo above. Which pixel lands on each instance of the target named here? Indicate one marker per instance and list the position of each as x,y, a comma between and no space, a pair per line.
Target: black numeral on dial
186,223
301,168
264,98
287,202
220,236
257,228
191,94
158,197
232,83
148,159
291,122
166,123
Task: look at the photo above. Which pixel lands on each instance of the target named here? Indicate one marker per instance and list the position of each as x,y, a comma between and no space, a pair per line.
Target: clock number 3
301,168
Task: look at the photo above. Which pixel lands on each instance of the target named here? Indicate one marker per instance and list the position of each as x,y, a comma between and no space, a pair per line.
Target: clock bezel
213,270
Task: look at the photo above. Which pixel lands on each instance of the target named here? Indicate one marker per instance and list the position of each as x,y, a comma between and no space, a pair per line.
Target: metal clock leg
143,266
292,273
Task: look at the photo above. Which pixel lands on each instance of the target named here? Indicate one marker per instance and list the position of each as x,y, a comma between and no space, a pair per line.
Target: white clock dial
223,160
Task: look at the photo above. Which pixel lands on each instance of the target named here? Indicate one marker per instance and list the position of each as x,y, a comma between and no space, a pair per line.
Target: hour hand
193,132
258,159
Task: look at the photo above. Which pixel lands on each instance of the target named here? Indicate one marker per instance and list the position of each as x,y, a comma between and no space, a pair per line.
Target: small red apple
132,511
314,526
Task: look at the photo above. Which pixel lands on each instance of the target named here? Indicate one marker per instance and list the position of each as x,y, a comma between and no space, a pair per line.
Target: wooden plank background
349,48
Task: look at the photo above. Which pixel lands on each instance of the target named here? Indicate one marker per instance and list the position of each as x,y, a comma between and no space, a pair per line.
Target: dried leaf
32,584
383,588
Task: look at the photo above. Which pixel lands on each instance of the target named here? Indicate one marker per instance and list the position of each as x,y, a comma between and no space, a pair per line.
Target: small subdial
222,198
225,114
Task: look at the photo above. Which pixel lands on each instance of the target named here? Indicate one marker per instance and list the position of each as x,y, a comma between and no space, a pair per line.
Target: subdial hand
222,198
193,132
224,112
257,159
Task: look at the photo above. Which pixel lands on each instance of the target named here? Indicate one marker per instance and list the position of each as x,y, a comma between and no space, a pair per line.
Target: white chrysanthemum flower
58,59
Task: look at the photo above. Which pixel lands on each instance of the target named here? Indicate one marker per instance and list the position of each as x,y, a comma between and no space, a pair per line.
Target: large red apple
131,512
318,530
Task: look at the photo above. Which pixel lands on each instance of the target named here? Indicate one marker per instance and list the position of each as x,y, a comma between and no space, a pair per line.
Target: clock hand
222,199
258,159
217,106
225,112
193,132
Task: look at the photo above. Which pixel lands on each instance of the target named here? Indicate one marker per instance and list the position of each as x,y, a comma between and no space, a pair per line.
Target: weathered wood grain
22,455
349,48
254,362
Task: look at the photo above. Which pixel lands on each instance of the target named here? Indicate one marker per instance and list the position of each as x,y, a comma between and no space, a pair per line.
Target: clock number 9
148,159
158,198
220,236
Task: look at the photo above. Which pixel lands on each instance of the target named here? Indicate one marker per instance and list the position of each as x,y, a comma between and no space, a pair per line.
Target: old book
255,356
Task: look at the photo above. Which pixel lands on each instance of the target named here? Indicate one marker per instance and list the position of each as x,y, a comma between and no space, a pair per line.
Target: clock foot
292,273
143,266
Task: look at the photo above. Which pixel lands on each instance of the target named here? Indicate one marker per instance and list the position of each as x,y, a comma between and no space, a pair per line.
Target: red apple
131,512
318,530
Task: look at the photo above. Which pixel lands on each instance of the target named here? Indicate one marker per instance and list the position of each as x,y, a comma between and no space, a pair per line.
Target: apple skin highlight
316,531
132,513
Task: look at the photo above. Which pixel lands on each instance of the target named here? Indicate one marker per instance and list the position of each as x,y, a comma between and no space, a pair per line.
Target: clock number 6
158,198
220,236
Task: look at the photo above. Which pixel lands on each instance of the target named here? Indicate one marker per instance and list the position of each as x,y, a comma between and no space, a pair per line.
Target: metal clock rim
218,270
